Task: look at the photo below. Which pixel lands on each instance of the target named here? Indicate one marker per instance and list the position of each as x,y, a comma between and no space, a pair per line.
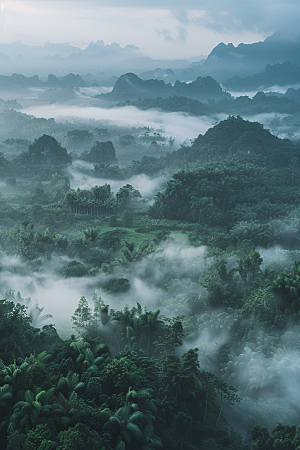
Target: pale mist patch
146,185
264,118
271,386
273,123
276,256
179,125
60,296
275,88
57,295
283,89
174,257
94,90
236,94
209,342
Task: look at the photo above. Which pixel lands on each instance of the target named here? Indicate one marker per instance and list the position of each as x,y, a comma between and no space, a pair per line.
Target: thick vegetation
218,342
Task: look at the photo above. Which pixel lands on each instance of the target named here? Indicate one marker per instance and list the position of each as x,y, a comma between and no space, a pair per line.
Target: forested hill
233,139
237,171
238,136
287,103
130,86
45,153
224,195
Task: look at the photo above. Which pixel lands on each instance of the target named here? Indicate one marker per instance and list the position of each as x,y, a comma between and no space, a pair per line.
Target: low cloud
143,183
59,296
234,15
179,125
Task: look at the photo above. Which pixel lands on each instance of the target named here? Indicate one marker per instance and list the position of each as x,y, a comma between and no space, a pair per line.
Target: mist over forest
150,247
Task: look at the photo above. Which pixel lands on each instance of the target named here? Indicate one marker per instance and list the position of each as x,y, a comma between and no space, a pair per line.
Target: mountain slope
130,86
276,74
225,61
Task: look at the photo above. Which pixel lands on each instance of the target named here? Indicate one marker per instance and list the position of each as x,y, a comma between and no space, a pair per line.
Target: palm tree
35,316
91,233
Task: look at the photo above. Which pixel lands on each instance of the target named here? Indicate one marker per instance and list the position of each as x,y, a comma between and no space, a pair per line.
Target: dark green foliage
127,194
91,234
103,170
221,286
224,195
101,152
117,286
77,137
45,150
249,266
16,334
133,253
231,141
74,269
127,218
124,380
104,401
287,287
96,202
285,437
31,244
111,239
113,222
102,193
149,165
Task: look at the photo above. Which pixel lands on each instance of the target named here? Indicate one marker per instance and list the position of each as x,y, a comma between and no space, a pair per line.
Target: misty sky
161,29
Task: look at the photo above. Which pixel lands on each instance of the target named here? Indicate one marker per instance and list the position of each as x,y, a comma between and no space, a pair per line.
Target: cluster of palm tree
91,206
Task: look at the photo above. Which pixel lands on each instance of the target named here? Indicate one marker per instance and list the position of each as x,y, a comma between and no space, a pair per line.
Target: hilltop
236,171
130,86
233,140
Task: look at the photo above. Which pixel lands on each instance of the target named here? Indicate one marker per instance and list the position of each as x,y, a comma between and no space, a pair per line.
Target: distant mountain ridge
288,103
105,61
63,58
65,49
226,61
130,86
19,80
277,74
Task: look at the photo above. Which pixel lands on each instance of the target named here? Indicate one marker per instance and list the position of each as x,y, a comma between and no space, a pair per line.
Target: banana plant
130,428
5,396
70,383
32,409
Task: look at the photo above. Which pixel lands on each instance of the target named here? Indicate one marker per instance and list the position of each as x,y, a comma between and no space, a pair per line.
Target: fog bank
146,185
179,125
60,296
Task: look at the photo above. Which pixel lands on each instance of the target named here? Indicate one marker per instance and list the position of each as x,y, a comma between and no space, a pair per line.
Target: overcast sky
161,29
